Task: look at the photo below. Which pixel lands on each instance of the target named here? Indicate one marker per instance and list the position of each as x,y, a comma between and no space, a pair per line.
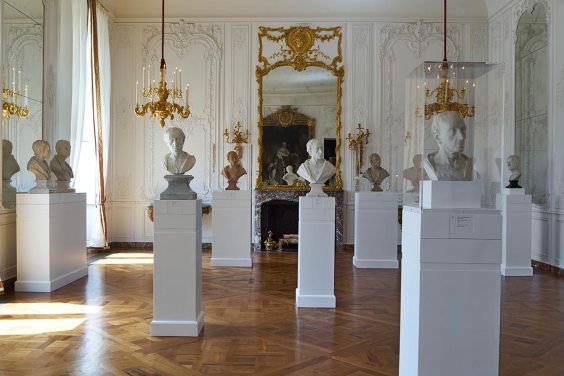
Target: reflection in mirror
531,93
297,106
22,73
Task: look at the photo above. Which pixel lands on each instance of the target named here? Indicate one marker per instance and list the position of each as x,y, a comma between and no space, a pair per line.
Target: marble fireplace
283,205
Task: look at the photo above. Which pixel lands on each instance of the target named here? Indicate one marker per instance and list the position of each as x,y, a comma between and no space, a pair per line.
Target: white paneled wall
219,60
548,226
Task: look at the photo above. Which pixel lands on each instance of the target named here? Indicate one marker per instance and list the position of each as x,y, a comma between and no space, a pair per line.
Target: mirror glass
297,106
22,61
531,93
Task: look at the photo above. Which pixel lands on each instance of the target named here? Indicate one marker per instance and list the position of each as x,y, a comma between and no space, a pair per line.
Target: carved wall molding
528,6
560,89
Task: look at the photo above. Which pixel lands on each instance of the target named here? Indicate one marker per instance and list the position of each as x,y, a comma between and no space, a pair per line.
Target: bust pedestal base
316,253
177,269
41,186
516,209
375,230
51,238
178,188
450,292
316,190
231,224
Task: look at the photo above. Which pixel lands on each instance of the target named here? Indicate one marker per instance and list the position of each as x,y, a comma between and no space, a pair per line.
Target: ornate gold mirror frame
299,47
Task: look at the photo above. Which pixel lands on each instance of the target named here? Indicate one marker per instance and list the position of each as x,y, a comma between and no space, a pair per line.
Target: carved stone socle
233,171
316,170
375,174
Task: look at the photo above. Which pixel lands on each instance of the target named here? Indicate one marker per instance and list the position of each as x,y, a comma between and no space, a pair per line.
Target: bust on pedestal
290,178
513,165
375,174
233,171
177,163
414,174
316,170
61,168
9,168
39,167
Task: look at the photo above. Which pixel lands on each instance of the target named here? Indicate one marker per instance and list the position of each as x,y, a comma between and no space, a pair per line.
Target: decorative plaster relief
527,6
360,37
560,89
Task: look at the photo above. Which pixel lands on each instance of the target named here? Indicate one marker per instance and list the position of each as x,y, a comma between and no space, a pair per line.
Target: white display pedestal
316,253
231,223
177,269
516,240
376,230
450,292
51,238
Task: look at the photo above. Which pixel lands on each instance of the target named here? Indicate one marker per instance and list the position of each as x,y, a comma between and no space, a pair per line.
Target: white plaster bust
233,171
177,162
38,163
9,164
414,174
290,178
513,166
449,162
59,166
316,169
375,174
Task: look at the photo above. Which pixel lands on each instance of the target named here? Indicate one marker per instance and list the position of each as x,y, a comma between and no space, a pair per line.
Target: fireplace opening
280,217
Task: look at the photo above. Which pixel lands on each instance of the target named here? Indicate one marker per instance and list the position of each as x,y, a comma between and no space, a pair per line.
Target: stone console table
262,196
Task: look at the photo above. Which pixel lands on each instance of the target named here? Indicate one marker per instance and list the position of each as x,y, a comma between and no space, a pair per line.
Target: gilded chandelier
446,91
11,102
161,106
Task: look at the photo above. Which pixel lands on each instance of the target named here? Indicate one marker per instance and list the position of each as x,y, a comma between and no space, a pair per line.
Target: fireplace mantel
262,196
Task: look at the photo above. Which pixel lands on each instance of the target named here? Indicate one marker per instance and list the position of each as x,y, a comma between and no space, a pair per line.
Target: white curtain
83,134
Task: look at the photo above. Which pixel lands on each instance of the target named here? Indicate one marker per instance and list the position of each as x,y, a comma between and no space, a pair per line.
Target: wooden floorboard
99,325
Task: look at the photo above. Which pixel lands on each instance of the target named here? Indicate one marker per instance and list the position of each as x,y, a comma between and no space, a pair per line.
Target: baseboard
237,262
375,264
315,301
166,328
516,271
132,245
49,286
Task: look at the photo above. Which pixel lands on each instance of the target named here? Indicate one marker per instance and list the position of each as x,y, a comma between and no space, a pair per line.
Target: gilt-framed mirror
300,78
22,76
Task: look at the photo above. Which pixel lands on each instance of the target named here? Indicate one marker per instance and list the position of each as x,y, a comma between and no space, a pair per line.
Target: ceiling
298,8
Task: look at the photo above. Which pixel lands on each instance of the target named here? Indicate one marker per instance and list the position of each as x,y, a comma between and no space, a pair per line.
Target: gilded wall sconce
238,138
357,144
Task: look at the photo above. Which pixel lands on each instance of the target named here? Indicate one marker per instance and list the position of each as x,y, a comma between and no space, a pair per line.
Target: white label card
461,227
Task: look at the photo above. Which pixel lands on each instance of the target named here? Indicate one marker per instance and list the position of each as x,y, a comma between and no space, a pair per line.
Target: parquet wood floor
99,325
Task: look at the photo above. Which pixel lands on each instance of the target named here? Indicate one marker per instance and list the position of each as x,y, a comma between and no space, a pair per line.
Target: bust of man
414,174
9,164
513,166
449,162
375,174
233,171
290,178
316,169
177,162
38,163
59,166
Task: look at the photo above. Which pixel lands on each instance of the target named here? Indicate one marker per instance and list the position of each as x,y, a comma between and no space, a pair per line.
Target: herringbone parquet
100,325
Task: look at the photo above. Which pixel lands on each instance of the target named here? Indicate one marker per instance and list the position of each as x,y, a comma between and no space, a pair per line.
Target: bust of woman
233,171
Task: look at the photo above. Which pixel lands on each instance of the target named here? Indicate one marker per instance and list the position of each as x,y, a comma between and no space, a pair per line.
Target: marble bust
414,174
59,165
233,171
290,178
316,170
513,166
449,162
375,174
9,164
38,163
177,162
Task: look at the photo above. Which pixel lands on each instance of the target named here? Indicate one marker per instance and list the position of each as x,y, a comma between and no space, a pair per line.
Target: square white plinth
517,232
51,240
316,253
451,194
177,269
231,223
450,292
376,230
